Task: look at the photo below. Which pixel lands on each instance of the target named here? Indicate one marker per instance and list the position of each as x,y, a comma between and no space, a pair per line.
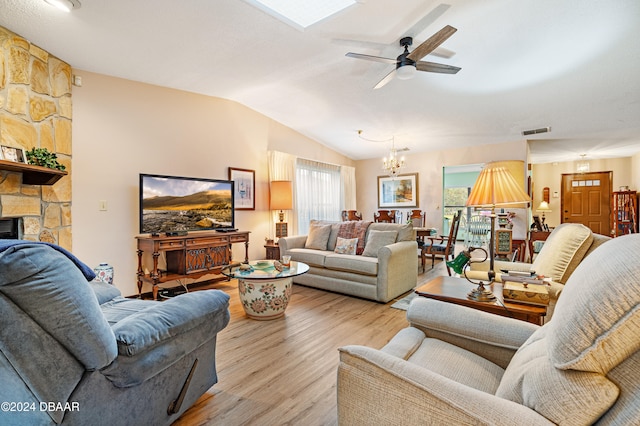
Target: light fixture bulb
406,72
65,5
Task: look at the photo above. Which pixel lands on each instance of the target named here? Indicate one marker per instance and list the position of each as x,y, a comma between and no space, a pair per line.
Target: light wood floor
283,372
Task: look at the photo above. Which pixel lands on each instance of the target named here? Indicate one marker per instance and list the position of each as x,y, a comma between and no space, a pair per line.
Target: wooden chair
417,218
442,246
388,216
351,215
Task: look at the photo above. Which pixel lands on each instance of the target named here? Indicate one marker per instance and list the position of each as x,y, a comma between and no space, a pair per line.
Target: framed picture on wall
10,153
399,191
244,188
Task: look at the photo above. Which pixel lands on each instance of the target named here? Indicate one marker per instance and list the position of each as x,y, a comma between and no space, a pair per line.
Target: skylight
301,13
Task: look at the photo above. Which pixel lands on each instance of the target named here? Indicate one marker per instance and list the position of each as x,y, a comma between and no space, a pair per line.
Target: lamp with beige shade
281,198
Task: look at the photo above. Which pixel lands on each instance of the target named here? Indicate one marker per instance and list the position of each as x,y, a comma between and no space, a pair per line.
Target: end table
273,251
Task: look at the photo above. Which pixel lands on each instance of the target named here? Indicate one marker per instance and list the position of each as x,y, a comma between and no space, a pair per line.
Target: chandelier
393,164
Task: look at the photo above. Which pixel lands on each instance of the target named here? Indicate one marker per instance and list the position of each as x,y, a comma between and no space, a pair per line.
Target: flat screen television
173,204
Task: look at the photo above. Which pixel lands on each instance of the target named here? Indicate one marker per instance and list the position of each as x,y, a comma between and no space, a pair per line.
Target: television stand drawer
206,242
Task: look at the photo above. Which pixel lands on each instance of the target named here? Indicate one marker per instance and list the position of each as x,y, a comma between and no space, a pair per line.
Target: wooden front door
586,199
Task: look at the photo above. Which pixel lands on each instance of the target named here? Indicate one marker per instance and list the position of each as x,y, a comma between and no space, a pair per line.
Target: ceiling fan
408,62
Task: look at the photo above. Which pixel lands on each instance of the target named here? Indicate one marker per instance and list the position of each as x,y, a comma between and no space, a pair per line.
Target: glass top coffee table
264,291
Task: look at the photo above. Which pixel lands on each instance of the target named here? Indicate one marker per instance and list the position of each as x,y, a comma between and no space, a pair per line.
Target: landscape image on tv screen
172,204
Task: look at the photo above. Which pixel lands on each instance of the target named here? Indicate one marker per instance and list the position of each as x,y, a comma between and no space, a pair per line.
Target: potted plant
45,158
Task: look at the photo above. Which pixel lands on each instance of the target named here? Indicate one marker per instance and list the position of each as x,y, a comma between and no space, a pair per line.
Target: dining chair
351,215
443,246
388,216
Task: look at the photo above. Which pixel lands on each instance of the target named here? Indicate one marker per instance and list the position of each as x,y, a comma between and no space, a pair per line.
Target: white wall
429,166
122,128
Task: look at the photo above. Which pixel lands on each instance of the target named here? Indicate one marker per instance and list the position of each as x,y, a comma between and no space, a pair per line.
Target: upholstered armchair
563,251
457,365
76,352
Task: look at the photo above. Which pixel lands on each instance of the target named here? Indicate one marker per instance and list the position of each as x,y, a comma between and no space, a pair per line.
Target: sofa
386,267
457,365
74,351
567,245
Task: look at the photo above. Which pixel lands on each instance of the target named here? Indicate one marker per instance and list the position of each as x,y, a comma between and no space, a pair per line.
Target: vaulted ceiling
572,65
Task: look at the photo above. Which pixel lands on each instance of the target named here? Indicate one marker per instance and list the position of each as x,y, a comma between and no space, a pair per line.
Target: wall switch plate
102,205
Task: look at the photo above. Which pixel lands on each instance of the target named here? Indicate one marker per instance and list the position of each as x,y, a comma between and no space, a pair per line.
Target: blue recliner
73,351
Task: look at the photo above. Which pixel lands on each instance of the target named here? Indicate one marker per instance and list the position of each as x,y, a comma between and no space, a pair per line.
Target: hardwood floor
283,372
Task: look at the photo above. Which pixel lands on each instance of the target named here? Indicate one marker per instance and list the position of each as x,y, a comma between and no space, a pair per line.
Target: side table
273,251
455,290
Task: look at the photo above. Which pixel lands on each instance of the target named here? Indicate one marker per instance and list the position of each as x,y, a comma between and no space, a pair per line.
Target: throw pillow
355,229
346,245
318,237
377,240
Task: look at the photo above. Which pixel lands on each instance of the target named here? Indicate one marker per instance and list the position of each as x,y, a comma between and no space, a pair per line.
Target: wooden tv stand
188,256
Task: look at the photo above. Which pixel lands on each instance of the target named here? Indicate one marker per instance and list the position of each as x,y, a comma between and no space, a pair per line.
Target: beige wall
635,172
550,175
123,128
429,166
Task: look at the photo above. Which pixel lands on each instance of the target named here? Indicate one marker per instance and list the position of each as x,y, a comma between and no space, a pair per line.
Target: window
318,194
457,184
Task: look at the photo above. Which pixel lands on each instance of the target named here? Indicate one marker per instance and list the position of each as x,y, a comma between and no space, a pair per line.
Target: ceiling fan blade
372,58
430,44
386,79
434,67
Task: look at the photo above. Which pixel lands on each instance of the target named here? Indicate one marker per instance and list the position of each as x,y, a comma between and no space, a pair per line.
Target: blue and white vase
104,273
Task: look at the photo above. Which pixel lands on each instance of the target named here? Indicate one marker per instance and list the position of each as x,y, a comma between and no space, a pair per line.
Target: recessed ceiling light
66,5
301,13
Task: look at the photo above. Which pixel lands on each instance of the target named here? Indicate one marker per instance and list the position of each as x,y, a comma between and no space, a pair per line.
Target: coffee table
264,291
455,290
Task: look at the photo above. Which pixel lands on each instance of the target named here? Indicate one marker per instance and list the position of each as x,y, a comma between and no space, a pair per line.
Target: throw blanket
86,271
355,229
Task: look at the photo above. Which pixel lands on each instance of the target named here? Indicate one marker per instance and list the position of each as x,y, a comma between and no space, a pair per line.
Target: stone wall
35,111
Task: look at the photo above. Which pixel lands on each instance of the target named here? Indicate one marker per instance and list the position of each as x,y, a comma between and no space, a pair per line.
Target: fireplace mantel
33,175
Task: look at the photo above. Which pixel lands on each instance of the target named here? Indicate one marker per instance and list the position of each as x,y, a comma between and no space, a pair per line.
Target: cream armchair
456,365
562,252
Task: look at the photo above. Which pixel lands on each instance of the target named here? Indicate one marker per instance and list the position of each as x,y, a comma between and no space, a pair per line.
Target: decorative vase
104,273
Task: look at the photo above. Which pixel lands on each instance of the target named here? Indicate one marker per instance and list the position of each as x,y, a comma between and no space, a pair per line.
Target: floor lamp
281,198
494,187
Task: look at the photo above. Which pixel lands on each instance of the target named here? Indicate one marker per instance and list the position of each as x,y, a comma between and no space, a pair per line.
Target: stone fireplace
35,111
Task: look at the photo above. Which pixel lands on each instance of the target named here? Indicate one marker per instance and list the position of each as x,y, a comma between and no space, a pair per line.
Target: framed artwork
244,188
10,153
399,191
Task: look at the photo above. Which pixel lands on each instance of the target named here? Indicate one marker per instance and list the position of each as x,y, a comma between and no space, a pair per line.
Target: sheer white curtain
318,192
348,186
282,166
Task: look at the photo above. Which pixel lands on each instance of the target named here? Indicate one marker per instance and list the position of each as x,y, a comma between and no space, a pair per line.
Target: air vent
536,131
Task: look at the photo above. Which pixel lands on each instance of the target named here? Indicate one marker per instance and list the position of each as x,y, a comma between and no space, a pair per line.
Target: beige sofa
562,252
455,365
382,274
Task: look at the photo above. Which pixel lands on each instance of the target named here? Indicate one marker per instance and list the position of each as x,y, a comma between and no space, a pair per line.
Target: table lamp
281,198
543,207
495,186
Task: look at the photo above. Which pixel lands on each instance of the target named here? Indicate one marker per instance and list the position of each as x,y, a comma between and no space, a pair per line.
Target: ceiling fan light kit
407,63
